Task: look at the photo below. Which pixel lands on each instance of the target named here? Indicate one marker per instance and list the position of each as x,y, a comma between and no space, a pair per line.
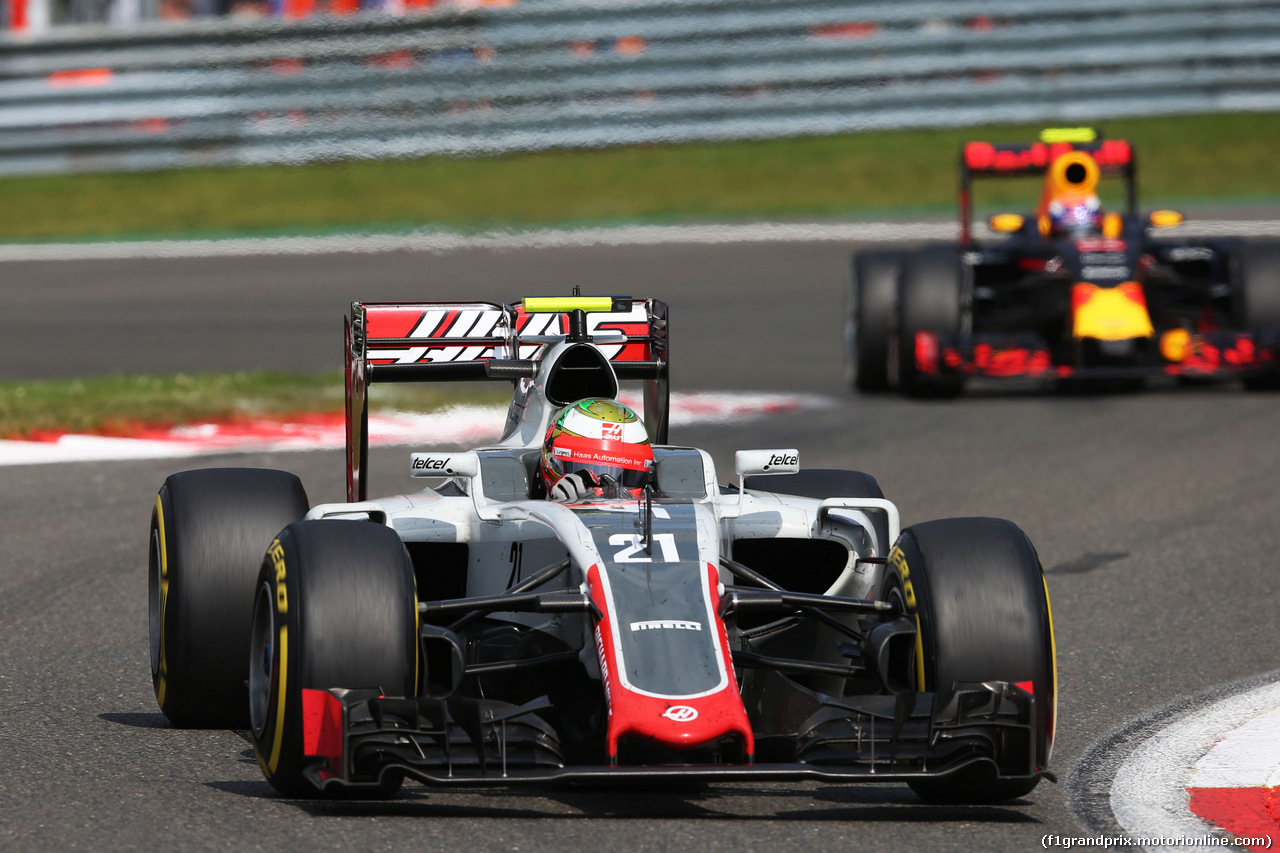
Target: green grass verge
120,405
1228,158
1225,159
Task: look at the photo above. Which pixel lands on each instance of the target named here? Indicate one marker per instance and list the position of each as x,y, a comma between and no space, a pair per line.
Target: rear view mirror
1006,223
465,465
749,462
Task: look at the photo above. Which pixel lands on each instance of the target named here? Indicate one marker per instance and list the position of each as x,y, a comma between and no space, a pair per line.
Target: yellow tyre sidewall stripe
282,649
273,761
920,686
417,642
1053,659
162,686
898,561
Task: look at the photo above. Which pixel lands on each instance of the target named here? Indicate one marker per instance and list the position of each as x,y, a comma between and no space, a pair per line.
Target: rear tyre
209,530
335,606
978,592
822,483
932,297
869,323
1255,299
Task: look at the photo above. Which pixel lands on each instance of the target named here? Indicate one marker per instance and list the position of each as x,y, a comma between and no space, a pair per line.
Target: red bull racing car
476,631
1070,292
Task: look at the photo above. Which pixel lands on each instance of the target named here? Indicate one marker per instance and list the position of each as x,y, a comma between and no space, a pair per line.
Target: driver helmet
603,437
1079,215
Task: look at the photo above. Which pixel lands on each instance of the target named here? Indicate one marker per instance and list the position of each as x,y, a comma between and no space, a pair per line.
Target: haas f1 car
1068,293
474,631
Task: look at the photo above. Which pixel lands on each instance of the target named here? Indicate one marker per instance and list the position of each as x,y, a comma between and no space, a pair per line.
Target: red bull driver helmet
603,437
1079,216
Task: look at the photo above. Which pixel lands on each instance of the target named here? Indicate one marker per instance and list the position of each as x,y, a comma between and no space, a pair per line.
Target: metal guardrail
560,73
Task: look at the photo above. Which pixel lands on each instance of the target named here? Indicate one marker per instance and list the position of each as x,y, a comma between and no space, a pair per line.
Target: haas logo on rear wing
458,333
444,341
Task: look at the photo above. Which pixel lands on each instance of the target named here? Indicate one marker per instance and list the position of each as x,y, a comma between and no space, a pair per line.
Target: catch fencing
582,73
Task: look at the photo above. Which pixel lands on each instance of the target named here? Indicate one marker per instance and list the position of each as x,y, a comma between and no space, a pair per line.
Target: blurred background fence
242,82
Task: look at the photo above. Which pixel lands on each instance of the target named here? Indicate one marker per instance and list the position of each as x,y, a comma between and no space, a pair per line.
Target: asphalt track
1154,514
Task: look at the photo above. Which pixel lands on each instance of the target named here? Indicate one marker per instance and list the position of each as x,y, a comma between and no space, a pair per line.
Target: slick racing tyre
1255,299
977,590
335,606
822,483
209,530
869,323
932,297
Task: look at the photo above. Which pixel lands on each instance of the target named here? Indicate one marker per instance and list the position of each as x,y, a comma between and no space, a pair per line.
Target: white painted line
1149,795
459,425
445,241
440,241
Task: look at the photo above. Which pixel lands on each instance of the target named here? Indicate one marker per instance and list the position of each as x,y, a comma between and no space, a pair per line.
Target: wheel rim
155,601
261,657
895,595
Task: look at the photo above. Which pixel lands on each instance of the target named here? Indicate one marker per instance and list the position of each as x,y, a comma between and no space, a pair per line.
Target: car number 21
632,550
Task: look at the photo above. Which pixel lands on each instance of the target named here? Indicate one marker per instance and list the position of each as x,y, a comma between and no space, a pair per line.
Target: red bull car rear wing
1114,157
470,341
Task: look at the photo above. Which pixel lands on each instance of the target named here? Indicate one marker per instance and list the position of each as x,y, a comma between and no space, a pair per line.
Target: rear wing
983,159
466,341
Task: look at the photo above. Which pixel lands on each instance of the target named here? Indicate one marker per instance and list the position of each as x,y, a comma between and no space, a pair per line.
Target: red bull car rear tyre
1256,299
931,298
870,321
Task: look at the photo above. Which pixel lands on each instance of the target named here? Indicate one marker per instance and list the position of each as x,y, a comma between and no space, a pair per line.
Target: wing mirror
748,462
463,466
1165,218
1006,223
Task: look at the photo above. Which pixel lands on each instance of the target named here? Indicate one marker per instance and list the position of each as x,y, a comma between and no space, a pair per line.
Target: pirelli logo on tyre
898,561
274,732
276,552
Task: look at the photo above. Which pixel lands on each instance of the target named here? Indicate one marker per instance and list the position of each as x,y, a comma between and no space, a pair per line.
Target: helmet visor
1081,218
630,465
628,478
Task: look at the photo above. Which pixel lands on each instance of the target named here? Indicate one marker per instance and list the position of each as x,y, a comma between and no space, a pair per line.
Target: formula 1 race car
781,627
1071,293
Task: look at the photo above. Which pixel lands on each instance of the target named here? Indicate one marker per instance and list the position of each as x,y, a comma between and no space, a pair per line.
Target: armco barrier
555,73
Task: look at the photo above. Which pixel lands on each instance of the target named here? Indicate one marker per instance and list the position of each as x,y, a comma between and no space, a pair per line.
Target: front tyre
932,297
869,324
1255,298
209,529
978,592
336,606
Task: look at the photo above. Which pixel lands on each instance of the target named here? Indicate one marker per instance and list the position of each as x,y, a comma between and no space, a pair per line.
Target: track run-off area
1154,514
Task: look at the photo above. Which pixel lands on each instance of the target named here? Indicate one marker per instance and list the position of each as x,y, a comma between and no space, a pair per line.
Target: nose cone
1110,313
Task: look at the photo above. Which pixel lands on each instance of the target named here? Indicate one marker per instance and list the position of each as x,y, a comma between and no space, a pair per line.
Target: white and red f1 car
779,627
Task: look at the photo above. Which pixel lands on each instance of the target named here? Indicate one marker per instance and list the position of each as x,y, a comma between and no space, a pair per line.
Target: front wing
1203,355
355,738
